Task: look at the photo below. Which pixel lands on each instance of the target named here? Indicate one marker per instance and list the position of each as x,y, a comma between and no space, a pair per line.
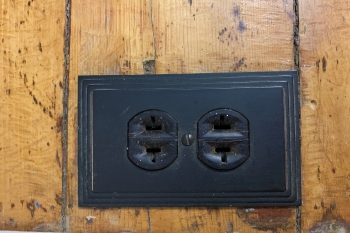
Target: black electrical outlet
229,139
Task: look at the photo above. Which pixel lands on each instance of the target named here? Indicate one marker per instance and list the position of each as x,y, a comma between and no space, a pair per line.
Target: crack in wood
64,135
152,26
149,221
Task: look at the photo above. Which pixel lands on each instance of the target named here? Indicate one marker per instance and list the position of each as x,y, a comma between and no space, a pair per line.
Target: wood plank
325,92
223,36
31,64
108,37
115,37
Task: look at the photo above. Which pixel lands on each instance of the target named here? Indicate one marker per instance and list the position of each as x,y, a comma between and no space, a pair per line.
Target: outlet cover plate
269,177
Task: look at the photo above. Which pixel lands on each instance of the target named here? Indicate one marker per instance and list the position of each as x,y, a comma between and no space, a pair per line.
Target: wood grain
31,70
325,92
223,36
116,37
108,37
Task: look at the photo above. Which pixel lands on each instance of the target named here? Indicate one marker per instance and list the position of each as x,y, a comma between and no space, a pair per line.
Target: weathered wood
31,70
325,93
223,36
108,37
116,37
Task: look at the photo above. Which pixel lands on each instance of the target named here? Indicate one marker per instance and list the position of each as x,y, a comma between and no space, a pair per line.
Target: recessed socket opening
222,149
153,158
153,150
221,124
153,125
224,158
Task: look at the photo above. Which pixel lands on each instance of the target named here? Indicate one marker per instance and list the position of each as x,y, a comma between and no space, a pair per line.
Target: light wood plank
108,37
31,70
223,36
325,93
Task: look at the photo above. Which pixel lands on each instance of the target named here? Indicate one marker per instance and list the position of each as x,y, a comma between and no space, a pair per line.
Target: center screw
187,139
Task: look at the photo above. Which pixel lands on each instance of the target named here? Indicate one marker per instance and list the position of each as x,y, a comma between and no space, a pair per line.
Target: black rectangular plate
269,177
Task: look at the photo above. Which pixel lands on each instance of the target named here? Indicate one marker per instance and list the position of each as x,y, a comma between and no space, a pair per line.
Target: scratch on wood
58,159
324,64
64,135
318,63
149,221
296,41
152,26
59,124
59,200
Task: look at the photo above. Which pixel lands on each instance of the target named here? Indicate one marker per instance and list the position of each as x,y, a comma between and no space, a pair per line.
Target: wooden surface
222,36
115,37
325,99
108,37
128,37
31,71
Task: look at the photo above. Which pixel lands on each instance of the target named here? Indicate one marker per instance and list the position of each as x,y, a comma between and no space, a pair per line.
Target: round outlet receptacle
152,139
223,139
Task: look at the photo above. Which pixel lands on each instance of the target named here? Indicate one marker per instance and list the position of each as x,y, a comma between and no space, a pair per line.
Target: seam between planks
152,26
67,33
296,36
296,54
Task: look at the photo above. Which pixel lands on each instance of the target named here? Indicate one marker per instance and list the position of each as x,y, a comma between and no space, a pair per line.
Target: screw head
187,139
